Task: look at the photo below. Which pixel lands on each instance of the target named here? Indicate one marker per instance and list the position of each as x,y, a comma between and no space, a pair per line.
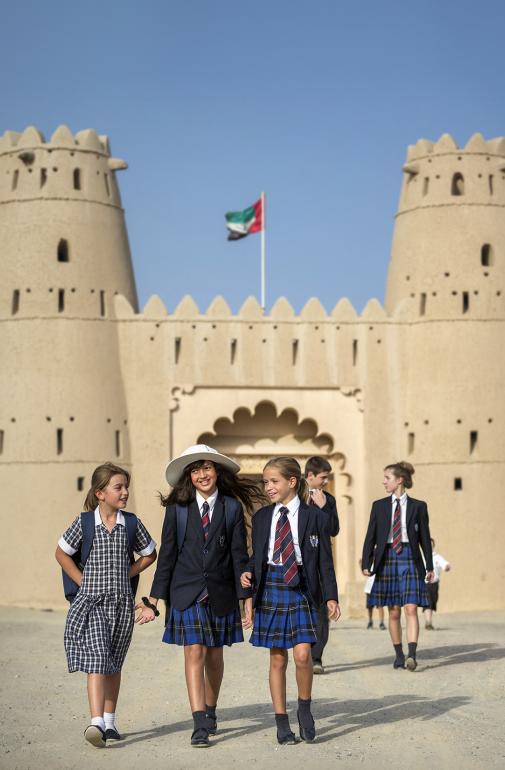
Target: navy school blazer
315,546
379,527
216,564
330,508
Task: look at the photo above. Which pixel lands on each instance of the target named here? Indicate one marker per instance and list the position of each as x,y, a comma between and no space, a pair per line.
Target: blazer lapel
217,518
267,524
410,510
303,520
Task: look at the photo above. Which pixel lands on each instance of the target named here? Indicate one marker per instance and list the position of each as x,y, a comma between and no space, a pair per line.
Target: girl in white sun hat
203,553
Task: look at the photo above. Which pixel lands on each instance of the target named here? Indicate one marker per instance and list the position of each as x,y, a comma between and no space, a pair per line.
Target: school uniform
399,577
323,624
99,623
286,615
200,578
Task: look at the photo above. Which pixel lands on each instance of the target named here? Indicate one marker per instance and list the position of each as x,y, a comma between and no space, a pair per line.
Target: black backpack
80,557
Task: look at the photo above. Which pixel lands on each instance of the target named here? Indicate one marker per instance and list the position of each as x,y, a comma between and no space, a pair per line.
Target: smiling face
204,477
277,488
115,494
318,480
393,484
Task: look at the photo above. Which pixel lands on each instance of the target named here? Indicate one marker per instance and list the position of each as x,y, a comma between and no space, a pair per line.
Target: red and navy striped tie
397,528
284,549
205,520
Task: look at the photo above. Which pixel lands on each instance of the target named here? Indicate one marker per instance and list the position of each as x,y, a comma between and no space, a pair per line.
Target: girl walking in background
291,570
100,620
397,531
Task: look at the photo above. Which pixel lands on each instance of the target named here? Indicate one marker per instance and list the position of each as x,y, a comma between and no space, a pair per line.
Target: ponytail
289,468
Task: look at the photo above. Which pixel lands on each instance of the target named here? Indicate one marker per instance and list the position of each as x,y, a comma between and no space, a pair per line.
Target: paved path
448,714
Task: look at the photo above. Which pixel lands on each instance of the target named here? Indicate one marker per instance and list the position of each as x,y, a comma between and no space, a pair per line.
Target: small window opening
1,442
354,352
422,304
107,186
118,443
15,301
80,483
410,442
59,441
426,185
15,179
77,178
177,351
486,255
43,176
294,352
490,180
474,435
61,300
466,301
458,184
458,484
102,304
233,351
63,251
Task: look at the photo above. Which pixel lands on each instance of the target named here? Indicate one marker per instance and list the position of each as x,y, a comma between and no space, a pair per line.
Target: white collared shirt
210,500
293,507
403,506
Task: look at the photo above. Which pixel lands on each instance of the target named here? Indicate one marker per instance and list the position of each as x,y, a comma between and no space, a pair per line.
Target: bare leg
304,673
194,661
111,690
395,626
412,622
381,614
429,617
214,669
277,678
96,694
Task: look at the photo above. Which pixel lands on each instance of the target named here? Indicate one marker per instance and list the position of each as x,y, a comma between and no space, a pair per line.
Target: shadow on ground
344,716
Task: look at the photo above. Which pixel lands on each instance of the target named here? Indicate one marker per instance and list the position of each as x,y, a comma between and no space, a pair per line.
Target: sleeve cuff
66,547
148,550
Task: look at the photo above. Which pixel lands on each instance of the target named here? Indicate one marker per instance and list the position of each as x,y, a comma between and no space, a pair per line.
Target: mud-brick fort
86,376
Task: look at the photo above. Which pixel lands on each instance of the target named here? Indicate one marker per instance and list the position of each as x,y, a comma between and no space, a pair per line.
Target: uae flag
242,223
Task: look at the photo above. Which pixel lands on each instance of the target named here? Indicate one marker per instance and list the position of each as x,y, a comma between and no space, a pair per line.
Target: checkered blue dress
100,620
398,582
199,625
284,616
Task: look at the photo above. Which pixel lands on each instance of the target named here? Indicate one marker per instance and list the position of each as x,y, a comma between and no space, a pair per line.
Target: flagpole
263,253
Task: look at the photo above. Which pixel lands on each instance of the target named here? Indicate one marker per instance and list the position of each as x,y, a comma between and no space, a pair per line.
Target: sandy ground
448,714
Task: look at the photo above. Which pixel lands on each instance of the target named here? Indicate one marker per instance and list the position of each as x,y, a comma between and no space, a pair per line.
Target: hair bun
407,466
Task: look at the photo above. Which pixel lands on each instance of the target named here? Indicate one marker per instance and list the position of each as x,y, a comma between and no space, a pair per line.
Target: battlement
446,145
31,138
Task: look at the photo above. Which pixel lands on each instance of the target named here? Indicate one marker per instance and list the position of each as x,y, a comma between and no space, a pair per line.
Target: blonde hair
289,468
99,480
402,470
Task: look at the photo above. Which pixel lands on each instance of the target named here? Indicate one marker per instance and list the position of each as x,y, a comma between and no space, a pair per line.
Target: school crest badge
314,541
222,541
416,527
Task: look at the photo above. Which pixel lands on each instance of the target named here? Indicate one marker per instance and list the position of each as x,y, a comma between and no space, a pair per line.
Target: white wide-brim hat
175,468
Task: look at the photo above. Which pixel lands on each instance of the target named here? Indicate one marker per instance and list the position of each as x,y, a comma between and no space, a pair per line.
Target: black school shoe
211,725
200,738
307,734
411,663
96,736
399,663
112,734
286,739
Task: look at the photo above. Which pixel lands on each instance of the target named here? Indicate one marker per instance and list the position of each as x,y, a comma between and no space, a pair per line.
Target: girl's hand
246,579
248,614
333,609
430,576
145,615
366,573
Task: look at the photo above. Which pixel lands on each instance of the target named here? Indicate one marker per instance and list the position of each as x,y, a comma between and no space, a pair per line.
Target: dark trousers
322,631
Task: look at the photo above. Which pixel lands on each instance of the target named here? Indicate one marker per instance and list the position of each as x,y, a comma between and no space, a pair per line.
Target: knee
214,659
410,610
195,653
394,613
278,662
302,658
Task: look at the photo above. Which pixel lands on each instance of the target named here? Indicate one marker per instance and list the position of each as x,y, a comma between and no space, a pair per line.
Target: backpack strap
181,513
88,534
131,531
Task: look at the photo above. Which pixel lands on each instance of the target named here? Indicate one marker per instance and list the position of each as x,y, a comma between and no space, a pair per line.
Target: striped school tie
284,549
397,528
205,520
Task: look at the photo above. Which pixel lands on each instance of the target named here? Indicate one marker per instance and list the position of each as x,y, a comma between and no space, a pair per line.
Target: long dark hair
228,483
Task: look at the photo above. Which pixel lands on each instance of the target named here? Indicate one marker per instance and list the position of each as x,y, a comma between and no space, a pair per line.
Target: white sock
98,722
110,719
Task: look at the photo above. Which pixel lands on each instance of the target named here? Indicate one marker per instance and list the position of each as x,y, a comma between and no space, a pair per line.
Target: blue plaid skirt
284,616
199,625
398,583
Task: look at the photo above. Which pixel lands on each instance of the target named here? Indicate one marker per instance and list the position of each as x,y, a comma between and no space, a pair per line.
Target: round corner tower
65,254
447,272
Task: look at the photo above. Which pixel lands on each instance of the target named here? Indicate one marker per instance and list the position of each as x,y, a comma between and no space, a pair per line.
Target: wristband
151,606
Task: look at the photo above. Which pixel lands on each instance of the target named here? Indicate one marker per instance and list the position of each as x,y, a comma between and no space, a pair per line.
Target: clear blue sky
211,101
